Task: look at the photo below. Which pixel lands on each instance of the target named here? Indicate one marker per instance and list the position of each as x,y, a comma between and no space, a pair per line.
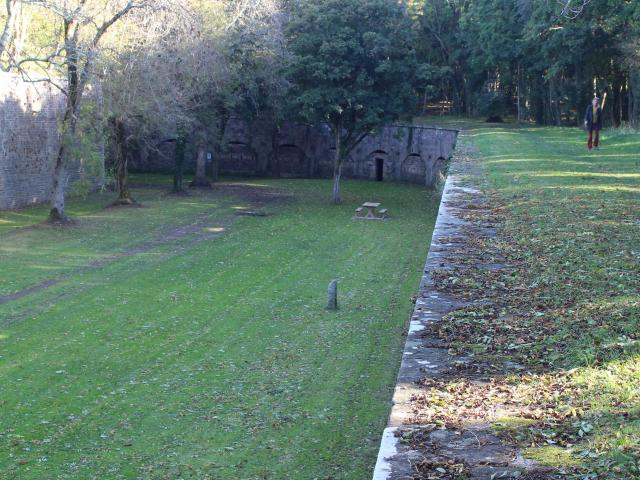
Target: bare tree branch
572,9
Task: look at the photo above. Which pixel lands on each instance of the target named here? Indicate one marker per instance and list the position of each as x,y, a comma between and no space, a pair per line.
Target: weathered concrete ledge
426,357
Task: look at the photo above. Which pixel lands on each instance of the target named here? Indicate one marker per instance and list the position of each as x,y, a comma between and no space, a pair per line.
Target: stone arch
292,161
435,171
239,159
414,169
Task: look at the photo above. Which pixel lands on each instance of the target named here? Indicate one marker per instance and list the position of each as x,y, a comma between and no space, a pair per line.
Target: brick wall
29,117
28,140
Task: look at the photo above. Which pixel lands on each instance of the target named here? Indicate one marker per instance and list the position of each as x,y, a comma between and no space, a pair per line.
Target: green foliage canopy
352,67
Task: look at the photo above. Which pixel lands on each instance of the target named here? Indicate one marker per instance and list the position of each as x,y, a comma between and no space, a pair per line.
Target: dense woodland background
481,56
143,72
472,57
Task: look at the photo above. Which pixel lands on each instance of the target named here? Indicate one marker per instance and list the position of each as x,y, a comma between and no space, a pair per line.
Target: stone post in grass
332,294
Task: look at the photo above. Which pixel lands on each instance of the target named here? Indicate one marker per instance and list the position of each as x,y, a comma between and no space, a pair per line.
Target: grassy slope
574,221
213,361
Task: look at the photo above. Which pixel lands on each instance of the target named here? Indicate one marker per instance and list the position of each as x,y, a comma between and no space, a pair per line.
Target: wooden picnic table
371,211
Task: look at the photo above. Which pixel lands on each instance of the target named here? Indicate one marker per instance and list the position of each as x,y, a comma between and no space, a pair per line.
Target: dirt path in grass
257,198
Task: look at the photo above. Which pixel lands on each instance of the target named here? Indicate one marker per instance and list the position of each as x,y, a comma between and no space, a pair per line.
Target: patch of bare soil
256,195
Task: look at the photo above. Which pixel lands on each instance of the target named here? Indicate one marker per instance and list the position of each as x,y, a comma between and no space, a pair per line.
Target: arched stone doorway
292,162
376,166
414,169
434,172
239,159
379,169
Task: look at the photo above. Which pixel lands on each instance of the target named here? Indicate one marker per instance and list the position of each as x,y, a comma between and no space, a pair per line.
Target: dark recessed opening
379,169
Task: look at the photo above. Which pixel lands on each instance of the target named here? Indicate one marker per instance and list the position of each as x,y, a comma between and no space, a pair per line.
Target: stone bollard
332,293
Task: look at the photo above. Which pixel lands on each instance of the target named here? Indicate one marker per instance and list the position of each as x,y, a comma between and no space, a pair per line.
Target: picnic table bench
370,213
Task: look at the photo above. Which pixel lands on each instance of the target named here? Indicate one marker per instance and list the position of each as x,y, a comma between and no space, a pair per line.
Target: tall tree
10,20
227,65
81,25
352,68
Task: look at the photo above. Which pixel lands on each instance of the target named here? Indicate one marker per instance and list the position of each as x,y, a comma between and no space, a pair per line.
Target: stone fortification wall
28,140
408,153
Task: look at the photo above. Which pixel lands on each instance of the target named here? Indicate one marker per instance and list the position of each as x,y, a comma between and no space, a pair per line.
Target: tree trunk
337,166
554,107
201,180
634,85
337,174
22,32
9,26
537,97
630,106
181,147
467,97
122,163
611,109
518,88
623,98
579,92
424,102
68,128
215,164
615,103
57,203
124,195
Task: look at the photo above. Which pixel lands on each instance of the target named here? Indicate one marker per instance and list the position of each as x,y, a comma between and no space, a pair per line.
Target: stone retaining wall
29,140
409,153
29,115
412,446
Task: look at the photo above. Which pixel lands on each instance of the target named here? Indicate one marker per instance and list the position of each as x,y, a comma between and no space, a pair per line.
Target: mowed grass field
182,340
572,230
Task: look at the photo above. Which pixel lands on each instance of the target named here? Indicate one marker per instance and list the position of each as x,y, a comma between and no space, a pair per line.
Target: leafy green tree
546,59
352,68
442,52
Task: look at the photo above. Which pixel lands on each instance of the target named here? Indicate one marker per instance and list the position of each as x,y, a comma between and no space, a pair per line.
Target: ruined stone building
30,113
29,141
405,153
397,153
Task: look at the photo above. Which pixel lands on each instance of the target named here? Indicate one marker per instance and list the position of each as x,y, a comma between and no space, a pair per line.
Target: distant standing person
593,123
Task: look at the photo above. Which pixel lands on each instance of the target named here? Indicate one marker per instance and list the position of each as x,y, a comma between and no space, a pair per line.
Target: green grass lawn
181,340
572,228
